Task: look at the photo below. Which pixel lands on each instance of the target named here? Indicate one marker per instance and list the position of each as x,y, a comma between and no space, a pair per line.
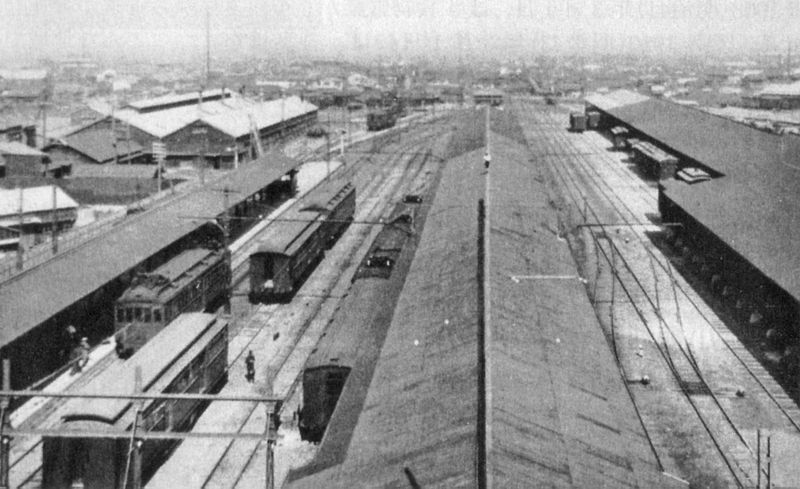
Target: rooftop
34,199
556,411
17,148
99,145
89,267
230,115
753,207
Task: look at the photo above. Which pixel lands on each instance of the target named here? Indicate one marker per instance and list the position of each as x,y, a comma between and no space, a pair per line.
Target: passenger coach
294,245
190,355
196,280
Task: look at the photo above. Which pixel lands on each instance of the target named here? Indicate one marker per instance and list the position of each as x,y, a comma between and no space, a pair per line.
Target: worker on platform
487,159
250,363
82,356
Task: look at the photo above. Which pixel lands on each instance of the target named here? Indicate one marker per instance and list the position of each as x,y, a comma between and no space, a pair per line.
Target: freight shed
79,285
541,403
218,129
745,220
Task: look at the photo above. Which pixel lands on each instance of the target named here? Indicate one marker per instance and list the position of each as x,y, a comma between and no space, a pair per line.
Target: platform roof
753,207
31,298
557,411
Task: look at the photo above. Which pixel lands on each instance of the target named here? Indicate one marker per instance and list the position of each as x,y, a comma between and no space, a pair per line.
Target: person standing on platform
250,363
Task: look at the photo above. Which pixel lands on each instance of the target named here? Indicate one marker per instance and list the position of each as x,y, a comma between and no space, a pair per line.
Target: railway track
25,466
606,213
404,167
379,180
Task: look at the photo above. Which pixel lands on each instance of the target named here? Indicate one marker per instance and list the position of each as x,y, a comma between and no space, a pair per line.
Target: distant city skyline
159,30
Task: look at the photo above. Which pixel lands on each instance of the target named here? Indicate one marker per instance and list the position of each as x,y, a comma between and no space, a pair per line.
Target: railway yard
504,306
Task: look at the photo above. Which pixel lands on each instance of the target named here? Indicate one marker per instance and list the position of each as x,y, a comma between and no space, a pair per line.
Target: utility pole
19,241
114,129
208,46
5,441
55,221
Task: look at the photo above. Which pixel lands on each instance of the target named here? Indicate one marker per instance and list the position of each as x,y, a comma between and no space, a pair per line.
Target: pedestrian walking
250,363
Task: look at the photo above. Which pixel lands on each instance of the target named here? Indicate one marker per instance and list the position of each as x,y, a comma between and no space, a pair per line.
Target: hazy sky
30,29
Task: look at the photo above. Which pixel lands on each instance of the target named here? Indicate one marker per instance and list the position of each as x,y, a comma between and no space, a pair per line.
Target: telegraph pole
5,441
55,221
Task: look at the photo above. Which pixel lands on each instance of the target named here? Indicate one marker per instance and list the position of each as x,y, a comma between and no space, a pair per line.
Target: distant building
215,125
487,96
95,147
17,159
27,84
31,213
18,131
784,96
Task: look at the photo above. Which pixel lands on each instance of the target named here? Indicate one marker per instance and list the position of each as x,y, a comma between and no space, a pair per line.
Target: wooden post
55,221
758,459
769,462
5,441
270,440
20,259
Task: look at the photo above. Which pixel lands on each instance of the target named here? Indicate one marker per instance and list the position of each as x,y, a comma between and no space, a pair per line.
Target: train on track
329,365
384,117
294,244
197,279
190,355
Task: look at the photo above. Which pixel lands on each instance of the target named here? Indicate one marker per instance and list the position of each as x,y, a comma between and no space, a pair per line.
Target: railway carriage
188,356
294,244
330,363
197,279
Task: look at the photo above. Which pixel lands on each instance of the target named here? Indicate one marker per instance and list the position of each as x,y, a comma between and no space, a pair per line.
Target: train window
128,315
157,315
137,313
147,315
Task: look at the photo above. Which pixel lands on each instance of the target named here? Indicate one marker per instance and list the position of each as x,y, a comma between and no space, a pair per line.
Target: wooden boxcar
619,135
293,245
577,122
198,279
654,162
190,355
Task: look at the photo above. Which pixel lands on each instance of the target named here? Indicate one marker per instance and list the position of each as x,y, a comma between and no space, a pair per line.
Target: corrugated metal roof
34,199
558,413
83,270
754,207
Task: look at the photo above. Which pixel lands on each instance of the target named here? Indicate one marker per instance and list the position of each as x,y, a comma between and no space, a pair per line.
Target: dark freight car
293,246
188,356
577,122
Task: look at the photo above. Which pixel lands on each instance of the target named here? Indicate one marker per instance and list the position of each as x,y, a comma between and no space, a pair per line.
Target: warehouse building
741,226
218,125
